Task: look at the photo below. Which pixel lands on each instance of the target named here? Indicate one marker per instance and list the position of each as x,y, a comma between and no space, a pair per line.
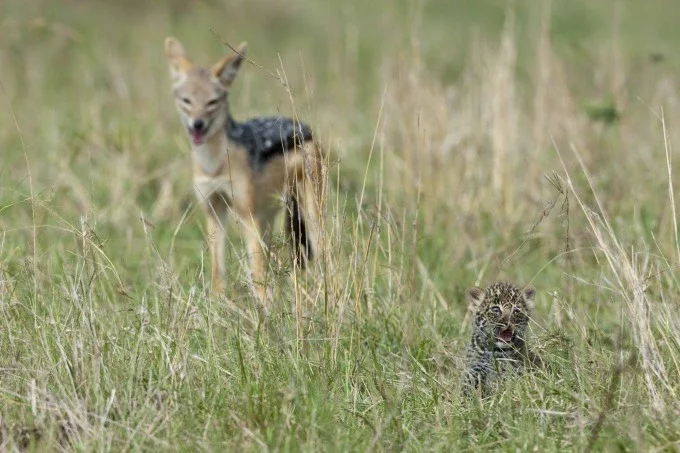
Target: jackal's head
201,93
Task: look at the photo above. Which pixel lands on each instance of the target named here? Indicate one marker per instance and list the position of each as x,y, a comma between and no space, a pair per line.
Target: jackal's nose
199,125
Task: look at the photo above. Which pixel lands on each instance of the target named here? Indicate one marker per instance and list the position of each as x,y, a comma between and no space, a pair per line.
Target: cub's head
201,93
502,312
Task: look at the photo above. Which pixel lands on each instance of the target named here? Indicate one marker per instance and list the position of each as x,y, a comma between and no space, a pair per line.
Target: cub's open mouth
506,335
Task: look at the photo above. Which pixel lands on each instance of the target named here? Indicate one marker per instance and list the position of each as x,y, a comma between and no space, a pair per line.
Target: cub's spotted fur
498,344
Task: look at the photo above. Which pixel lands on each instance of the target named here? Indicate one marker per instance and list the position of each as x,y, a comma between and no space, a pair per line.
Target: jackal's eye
212,102
186,101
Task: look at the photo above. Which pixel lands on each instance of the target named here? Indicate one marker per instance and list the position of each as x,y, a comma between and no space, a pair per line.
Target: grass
468,142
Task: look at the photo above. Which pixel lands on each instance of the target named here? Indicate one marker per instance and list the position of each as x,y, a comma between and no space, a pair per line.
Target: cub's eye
495,310
516,310
212,102
187,101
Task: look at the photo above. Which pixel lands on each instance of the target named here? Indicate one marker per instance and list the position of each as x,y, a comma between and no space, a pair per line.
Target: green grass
468,142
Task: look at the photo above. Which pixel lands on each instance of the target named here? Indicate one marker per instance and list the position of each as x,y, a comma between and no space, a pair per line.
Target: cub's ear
177,59
529,294
475,296
226,69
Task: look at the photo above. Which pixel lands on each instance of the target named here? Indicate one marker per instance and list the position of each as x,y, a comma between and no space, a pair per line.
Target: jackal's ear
474,296
226,69
529,294
177,58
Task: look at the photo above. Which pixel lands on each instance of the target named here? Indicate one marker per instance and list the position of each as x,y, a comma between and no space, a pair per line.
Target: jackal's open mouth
198,130
197,137
506,335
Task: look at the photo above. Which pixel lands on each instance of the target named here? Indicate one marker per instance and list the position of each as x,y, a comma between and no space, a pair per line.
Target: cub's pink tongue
196,137
506,335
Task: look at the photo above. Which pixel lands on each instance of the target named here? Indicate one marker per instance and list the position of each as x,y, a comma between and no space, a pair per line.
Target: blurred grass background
454,131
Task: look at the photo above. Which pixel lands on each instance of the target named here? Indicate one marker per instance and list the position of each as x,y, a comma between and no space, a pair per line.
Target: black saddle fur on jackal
267,137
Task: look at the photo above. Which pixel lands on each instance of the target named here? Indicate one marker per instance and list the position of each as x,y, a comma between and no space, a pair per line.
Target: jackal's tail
296,230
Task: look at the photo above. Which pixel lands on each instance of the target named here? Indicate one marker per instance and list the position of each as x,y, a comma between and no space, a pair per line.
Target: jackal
246,168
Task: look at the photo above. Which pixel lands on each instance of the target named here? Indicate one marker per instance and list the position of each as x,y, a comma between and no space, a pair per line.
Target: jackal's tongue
196,137
506,335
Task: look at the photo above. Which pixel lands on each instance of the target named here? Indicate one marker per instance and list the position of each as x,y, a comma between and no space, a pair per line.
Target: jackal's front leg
258,263
217,240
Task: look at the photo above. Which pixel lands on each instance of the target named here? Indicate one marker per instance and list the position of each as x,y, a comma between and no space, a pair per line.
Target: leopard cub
498,346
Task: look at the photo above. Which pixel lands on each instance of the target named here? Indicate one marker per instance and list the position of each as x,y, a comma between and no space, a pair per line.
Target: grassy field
468,141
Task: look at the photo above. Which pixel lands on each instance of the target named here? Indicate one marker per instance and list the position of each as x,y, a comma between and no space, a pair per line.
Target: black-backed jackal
246,167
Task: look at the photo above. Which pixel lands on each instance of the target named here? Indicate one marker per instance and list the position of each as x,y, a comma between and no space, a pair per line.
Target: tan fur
224,181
